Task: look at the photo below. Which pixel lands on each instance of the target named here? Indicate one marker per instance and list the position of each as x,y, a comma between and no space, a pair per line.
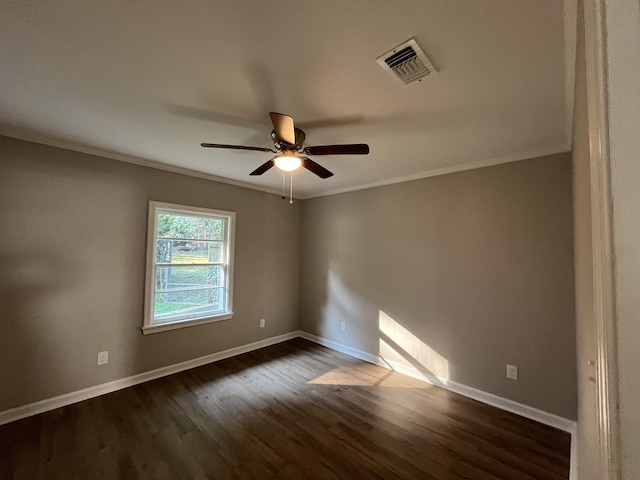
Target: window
189,266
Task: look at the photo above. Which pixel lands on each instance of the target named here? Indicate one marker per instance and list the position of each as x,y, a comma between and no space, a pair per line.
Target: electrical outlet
103,357
512,372
262,322
343,326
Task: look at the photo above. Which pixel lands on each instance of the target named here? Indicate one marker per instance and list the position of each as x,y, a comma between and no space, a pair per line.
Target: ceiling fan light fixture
288,140
288,163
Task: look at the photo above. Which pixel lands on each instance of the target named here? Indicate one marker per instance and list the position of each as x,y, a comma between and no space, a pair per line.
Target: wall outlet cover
512,372
103,357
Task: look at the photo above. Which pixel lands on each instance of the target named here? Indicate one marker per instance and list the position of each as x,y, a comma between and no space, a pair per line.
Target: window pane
163,251
193,251
215,252
189,227
178,304
188,277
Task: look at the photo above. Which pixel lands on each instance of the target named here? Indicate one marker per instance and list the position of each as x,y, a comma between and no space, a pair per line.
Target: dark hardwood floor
294,410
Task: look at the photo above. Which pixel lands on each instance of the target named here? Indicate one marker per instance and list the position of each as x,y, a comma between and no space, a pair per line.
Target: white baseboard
30,409
367,357
482,396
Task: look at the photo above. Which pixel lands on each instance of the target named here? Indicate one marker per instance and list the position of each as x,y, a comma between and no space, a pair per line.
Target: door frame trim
602,236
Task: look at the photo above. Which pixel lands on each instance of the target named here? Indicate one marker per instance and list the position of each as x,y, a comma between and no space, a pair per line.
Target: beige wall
72,250
457,274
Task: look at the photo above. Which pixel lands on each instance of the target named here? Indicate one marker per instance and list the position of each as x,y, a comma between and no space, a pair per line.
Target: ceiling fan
288,141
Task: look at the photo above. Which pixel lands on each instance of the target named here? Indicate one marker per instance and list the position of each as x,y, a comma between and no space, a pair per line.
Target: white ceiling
148,81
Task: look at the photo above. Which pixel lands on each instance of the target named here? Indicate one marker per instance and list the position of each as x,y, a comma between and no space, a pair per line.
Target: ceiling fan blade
263,168
284,128
236,147
315,168
352,149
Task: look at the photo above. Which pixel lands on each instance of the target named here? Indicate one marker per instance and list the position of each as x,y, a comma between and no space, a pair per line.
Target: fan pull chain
291,191
283,175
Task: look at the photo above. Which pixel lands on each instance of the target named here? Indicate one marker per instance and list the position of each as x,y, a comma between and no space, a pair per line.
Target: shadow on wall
28,282
342,304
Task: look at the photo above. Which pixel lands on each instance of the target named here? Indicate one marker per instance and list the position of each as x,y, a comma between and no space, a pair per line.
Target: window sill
163,327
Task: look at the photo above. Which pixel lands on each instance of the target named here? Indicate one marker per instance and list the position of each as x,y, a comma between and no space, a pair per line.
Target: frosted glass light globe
288,162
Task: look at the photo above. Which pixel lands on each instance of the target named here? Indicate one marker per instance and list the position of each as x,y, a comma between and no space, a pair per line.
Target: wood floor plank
295,410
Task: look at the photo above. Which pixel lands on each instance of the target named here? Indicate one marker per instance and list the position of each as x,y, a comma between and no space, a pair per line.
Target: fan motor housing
279,144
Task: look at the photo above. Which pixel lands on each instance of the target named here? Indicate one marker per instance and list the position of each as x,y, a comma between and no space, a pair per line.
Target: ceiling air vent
407,63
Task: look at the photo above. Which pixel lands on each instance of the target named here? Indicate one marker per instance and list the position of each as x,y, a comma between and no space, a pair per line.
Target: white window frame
156,208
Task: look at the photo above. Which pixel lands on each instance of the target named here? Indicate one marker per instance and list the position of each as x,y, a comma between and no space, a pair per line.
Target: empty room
318,240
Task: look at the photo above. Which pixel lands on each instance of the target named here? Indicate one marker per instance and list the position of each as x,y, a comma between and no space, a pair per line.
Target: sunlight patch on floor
364,376
346,376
